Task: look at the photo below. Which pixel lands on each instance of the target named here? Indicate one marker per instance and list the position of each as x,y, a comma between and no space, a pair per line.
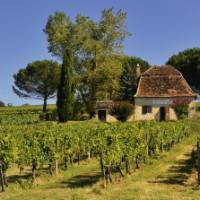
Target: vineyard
21,114
118,147
38,149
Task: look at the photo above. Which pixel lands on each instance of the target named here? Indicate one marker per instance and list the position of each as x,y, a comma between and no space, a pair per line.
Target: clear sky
160,28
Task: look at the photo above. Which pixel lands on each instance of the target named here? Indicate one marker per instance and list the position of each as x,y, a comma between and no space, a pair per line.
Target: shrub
181,110
2,104
198,107
181,107
49,116
121,110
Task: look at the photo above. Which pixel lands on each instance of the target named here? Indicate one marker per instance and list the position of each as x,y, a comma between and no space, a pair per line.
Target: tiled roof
104,104
163,81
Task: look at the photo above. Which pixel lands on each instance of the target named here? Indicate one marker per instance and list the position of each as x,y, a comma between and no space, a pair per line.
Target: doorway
162,114
102,115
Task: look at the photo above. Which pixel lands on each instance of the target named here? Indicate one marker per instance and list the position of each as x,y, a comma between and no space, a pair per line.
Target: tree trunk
137,162
127,166
89,155
45,104
1,179
5,179
108,175
66,162
71,160
120,170
198,162
101,161
34,166
50,169
103,168
161,147
56,167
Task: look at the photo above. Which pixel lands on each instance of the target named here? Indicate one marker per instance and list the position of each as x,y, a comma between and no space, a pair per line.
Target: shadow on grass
82,180
179,172
16,178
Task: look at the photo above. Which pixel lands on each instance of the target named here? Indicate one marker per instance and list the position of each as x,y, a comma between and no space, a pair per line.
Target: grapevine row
117,146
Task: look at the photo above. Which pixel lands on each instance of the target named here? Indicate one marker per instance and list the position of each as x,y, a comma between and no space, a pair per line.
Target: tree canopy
99,65
63,40
128,81
91,55
2,104
39,80
188,63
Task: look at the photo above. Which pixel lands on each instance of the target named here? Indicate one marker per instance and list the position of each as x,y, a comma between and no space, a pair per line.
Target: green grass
198,106
172,176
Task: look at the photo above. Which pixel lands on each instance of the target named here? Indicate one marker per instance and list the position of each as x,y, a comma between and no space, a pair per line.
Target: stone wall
155,115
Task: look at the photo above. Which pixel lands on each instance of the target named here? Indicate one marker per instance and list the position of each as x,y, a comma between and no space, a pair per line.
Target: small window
146,109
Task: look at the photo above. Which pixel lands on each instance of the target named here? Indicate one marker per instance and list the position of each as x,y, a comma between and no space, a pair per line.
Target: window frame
146,109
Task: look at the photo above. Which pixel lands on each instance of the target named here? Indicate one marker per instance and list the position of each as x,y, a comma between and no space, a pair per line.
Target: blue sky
160,28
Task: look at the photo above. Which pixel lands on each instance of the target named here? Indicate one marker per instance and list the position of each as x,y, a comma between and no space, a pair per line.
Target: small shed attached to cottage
102,111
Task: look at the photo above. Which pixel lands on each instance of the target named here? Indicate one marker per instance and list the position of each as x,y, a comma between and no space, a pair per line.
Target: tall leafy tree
39,80
99,64
188,63
62,39
128,80
2,104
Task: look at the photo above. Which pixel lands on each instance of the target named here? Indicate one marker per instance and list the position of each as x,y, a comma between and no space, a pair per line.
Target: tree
128,80
188,63
65,91
62,39
99,64
2,104
39,80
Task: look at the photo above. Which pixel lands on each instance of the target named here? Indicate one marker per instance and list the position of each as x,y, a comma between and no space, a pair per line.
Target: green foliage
61,34
128,80
188,63
38,80
181,110
122,110
65,90
198,107
49,116
99,64
51,144
63,43
47,142
8,149
91,50
2,104
19,115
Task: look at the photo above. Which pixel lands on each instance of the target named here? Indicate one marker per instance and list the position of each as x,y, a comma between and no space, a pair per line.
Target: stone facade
154,115
156,104
108,118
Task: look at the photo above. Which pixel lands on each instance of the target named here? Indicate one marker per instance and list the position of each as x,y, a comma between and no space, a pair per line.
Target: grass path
172,177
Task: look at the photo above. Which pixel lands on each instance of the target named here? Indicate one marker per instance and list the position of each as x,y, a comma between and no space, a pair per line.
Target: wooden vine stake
1,178
198,160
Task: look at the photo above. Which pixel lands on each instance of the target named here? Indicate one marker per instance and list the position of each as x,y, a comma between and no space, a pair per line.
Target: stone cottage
159,88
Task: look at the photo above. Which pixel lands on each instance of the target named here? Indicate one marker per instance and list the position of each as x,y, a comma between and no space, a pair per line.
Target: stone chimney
138,71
